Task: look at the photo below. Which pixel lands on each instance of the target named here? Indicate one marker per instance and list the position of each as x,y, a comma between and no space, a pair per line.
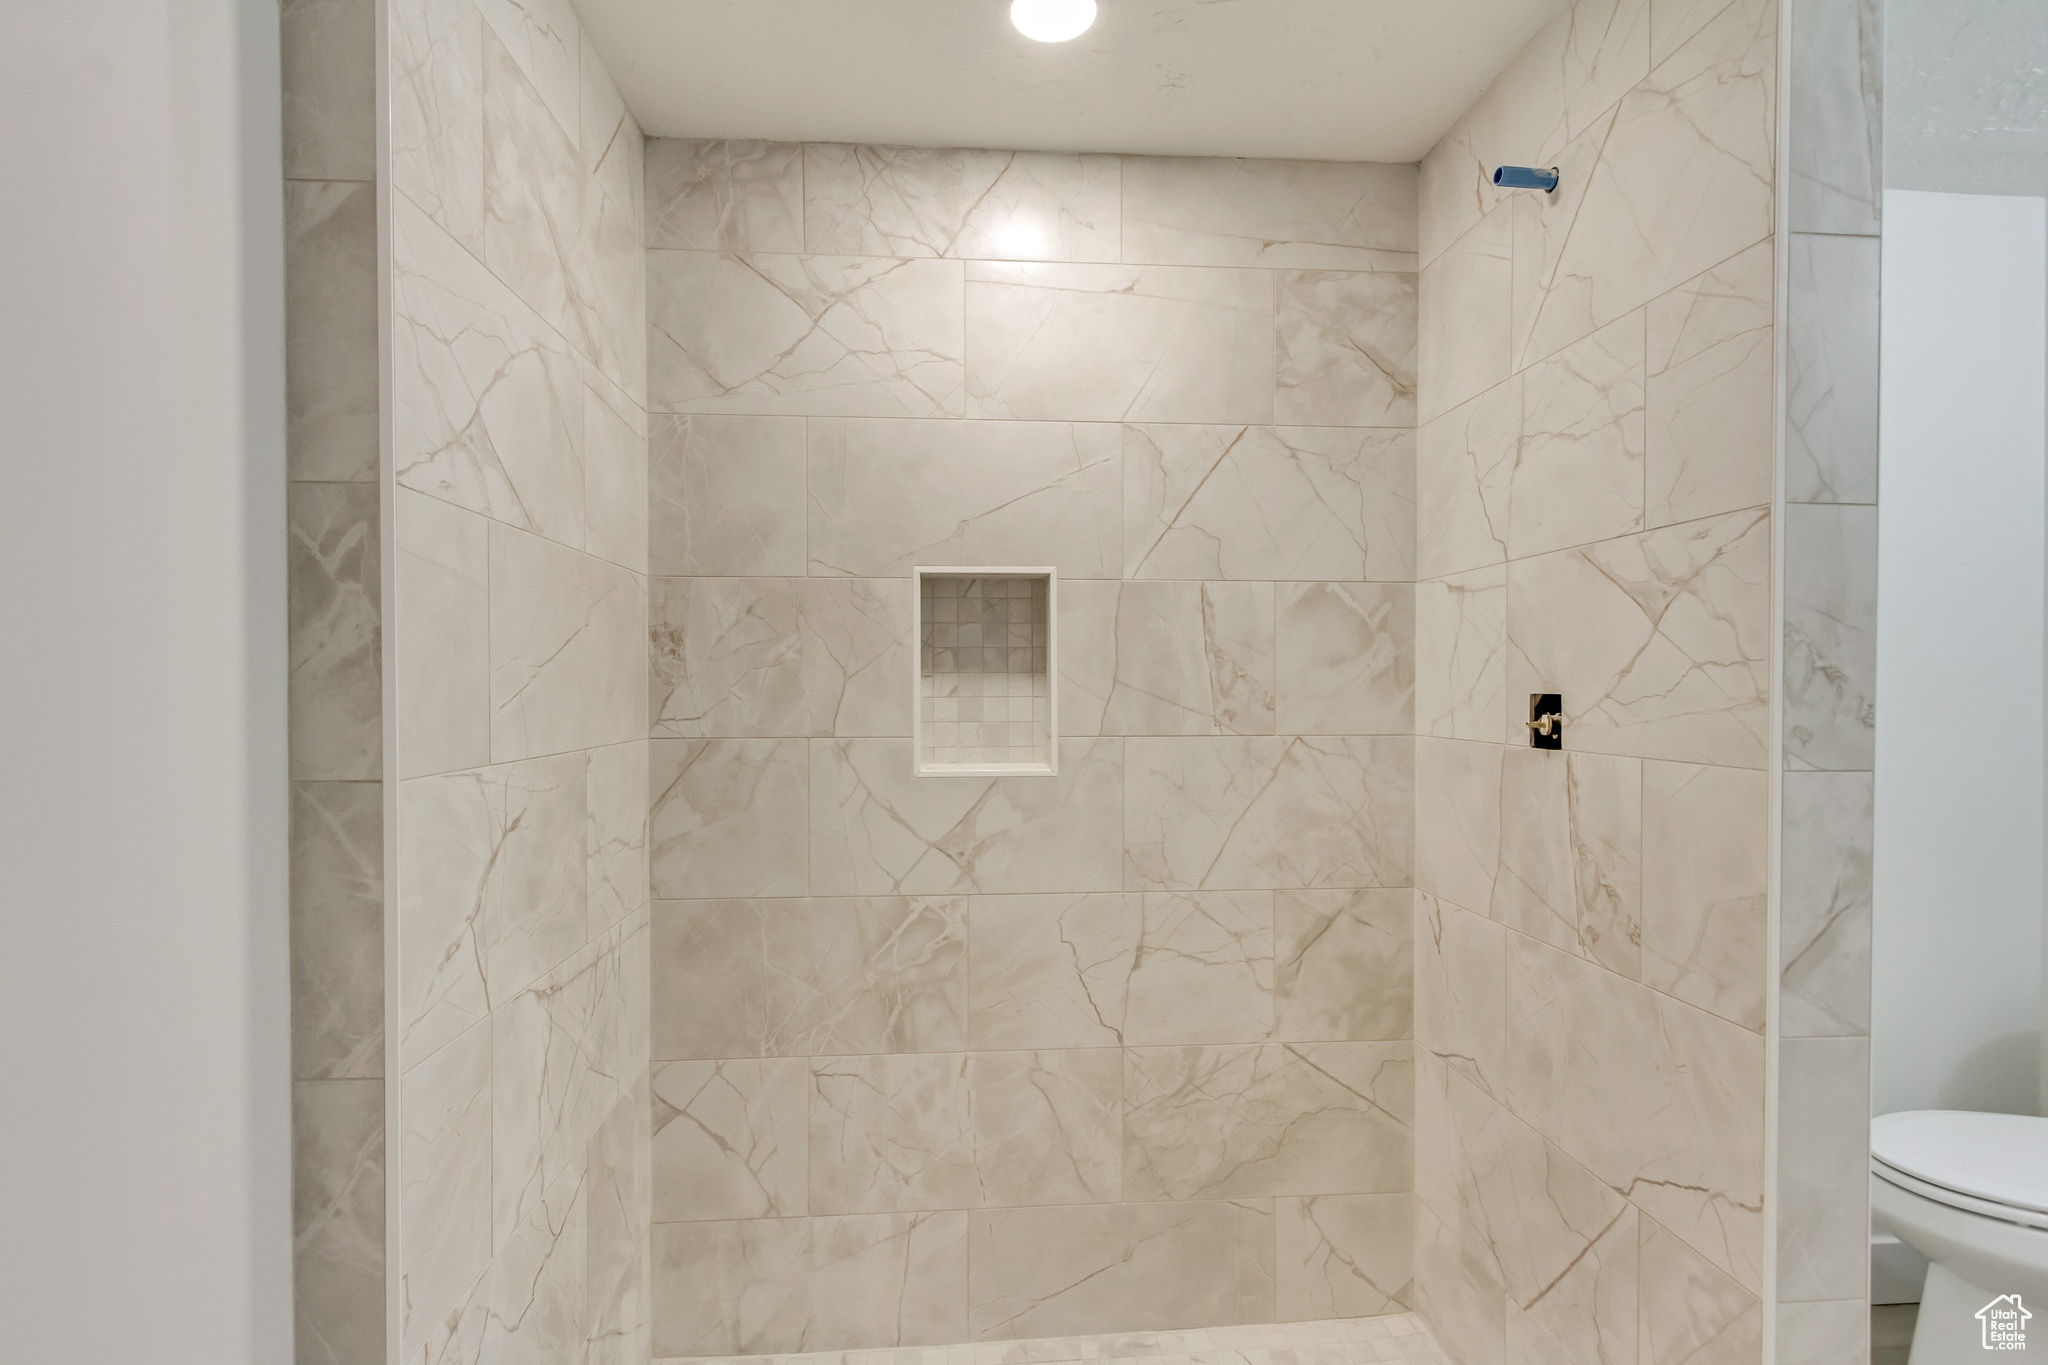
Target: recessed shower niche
984,699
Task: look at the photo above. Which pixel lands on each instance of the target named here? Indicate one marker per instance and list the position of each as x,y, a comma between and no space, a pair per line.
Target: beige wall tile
1263,502
1344,965
1189,659
1119,1267
1461,660
1313,215
1050,971
1831,329
725,495
1459,1293
444,1200
338,1242
1460,991
1579,474
1344,349
336,610
1836,119
724,195
1280,812
1464,318
1203,969
615,833
728,817
730,1139
1705,885
436,67
877,829
1572,864
1690,1310
890,1134
330,313
1110,343
1823,1186
1343,1256
1465,464
1458,822
919,201
1830,1332
819,335
1824,905
328,52
1830,637
886,496
566,631
1710,395
794,978
1047,1126
1346,658
337,930
725,658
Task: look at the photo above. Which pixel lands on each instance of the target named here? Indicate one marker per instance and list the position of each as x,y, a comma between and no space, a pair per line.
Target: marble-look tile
487,400
1563,1242
1344,965
328,58
890,1134
1119,1267
720,195
1836,178
1825,905
543,39
615,472
621,1204
1571,73
1662,1101
1823,1184
1657,642
441,698
854,636
1304,215
1346,658
330,318
614,149
818,335
1111,343
878,829
724,658
337,673
1047,1126
1571,870
1458,822
1455,188
1344,346
567,634
810,1284
539,221
1086,619
1050,971
566,1051
615,833
1268,503
1202,971
338,1219
1681,179
796,978
337,930
725,495
1464,320
1830,637
1710,400
1257,1120
1343,1256
1579,474
1691,1312
1831,327
1190,659
1464,472
493,890
444,1199
886,496
973,204
728,817
531,1303
436,95
1458,1291
1461,655
1308,812
1828,1332
730,1139
1706,840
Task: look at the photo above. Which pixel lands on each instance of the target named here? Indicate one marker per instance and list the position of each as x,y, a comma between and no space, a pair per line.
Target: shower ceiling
1366,80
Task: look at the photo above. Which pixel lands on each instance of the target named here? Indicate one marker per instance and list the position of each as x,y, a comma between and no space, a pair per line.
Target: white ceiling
1364,80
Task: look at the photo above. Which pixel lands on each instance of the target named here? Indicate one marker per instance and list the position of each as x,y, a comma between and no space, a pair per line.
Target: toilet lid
1998,1158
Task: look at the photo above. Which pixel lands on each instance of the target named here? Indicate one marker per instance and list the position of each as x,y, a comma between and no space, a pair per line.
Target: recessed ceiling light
1052,21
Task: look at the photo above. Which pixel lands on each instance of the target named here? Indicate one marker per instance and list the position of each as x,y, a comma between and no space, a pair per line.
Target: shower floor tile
1395,1339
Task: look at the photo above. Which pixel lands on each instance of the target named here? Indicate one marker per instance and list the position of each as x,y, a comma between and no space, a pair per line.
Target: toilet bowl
1970,1193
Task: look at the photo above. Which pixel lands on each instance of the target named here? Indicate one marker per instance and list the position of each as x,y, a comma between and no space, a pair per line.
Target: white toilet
1970,1193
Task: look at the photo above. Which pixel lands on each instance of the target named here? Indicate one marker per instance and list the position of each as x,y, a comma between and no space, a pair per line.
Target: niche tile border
1035,679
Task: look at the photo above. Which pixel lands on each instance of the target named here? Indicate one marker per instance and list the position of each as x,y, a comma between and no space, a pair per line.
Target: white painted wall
144,1101
1957,952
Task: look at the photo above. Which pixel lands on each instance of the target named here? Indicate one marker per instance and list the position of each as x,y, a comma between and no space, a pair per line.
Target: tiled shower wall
952,1058
337,747
517,628
1595,481
1833,190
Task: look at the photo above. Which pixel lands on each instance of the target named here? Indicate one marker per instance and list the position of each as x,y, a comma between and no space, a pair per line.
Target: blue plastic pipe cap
1525,178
